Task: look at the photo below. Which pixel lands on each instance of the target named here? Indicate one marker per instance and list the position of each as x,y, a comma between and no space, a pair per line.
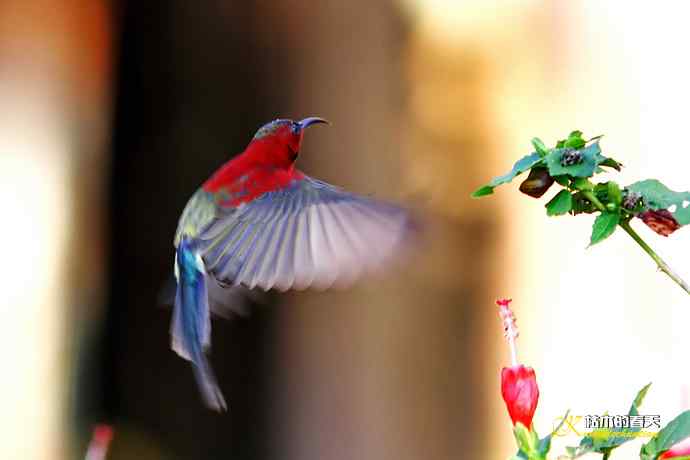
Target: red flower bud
680,449
520,392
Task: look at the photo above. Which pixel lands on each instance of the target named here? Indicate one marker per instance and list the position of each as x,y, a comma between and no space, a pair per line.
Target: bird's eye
296,128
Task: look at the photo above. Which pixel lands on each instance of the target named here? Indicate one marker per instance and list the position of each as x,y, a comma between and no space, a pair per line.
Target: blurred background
114,112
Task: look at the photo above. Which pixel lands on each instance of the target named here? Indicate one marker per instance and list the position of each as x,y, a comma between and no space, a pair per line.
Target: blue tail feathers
191,323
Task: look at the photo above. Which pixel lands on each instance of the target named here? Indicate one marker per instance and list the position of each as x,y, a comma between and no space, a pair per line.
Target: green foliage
530,447
560,204
523,164
591,159
539,147
656,195
604,226
483,191
614,193
639,399
562,180
581,205
527,440
677,430
545,443
601,440
583,162
586,168
574,141
582,184
571,164
611,163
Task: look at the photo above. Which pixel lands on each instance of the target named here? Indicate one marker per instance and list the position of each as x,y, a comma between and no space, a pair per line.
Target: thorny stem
663,266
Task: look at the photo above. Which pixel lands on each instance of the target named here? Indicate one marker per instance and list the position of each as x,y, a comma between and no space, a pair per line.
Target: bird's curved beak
307,122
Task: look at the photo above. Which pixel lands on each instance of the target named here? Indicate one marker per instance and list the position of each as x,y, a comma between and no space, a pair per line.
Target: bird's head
279,141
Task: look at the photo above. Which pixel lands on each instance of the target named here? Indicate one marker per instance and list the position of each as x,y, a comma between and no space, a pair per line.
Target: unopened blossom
518,382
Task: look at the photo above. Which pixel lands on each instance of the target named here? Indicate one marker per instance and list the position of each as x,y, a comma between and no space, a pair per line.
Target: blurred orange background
114,112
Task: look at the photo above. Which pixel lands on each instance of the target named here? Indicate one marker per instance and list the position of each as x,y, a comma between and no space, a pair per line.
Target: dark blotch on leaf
631,200
537,183
571,157
661,221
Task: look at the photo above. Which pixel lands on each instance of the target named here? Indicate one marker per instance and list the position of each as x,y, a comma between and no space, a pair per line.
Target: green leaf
560,204
604,226
483,191
575,140
614,193
604,160
639,399
540,147
582,205
611,442
527,440
592,159
601,190
522,165
586,168
676,430
582,183
562,180
657,196
545,443
575,143
610,163
601,440
648,451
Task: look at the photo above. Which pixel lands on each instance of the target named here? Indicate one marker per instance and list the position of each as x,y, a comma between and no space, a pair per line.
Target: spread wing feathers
309,234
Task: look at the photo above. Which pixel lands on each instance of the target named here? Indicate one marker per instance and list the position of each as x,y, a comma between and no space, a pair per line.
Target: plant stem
594,200
663,266
625,224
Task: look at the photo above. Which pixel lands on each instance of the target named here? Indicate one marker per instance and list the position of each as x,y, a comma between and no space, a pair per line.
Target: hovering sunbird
259,222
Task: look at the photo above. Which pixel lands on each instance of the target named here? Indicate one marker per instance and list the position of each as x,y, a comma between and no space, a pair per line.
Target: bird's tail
191,323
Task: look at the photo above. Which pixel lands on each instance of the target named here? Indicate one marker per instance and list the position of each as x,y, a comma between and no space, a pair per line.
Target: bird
260,223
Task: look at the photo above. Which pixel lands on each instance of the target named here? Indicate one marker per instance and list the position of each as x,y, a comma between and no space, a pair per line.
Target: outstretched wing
308,234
